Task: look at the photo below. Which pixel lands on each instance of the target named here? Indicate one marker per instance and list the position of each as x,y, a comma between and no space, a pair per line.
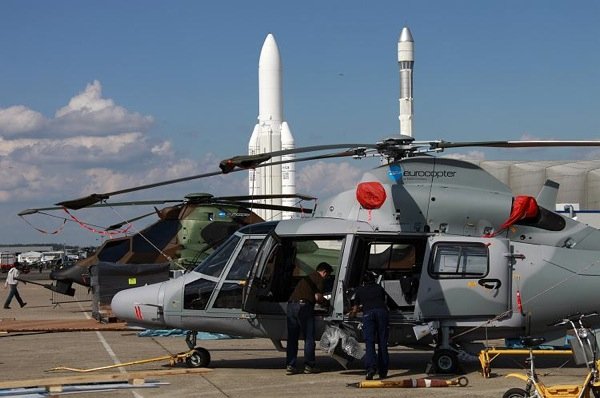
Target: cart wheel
200,358
515,393
445,361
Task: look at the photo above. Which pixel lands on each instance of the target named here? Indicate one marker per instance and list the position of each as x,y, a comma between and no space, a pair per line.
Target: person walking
372,298
12,280
301,319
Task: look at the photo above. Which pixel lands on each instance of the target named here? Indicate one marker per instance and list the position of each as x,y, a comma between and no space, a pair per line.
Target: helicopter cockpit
237,258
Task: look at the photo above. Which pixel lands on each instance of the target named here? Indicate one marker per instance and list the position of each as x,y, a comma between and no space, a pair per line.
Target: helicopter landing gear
198,357
445,361
445,357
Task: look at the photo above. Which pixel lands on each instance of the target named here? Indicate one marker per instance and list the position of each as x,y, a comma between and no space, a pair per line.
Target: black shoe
311,369
382,376
23,305
6,307
370,375
290,370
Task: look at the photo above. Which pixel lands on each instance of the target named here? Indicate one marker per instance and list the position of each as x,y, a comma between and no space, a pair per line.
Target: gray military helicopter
461,258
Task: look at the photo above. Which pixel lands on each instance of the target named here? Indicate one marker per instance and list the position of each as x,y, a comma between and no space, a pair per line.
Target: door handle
490,283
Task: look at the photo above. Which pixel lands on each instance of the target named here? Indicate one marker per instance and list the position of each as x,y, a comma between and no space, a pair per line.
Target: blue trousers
13,293
300,321
376,330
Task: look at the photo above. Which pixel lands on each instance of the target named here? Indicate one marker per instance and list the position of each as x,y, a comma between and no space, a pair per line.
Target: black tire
515,393
445,362
200,358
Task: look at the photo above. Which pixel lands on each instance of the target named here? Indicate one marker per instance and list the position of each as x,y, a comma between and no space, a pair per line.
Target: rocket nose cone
405,35
269,51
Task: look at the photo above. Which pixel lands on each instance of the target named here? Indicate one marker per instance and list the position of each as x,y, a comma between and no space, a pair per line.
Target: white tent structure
579,181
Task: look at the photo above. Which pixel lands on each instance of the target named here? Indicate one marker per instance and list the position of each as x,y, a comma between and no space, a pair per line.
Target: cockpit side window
197,294
230,294
244,260
214,264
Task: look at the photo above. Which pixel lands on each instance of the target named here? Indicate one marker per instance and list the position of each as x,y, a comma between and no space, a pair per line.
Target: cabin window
197,294
244,260
112,251
155,236
391,257
214,264
459,260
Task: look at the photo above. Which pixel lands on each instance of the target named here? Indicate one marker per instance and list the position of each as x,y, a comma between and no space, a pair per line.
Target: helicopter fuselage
434,242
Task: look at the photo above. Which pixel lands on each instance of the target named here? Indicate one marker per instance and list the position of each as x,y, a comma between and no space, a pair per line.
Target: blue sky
102,95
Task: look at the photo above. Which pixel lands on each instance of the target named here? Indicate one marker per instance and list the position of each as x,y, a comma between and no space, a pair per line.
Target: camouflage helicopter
460,257
184,235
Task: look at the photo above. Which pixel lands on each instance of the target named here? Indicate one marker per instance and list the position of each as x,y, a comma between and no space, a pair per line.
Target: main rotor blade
119,225
259,197
115,204
254,161
227,166
86,201
515,144
267,206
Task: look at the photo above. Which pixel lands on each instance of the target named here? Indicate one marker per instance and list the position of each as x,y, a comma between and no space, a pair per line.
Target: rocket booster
406,59
271,133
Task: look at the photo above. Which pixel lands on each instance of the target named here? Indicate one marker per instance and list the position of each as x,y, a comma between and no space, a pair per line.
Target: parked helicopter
460,257
184,235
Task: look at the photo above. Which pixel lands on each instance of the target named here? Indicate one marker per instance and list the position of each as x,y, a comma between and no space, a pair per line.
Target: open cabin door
464,277
282,263
257,284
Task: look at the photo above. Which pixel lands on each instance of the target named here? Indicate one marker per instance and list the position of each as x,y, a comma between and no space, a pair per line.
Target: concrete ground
240,367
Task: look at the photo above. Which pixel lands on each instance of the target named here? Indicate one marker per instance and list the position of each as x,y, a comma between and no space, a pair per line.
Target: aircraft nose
139,306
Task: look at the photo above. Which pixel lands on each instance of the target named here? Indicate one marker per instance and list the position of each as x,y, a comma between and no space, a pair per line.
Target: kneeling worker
301,319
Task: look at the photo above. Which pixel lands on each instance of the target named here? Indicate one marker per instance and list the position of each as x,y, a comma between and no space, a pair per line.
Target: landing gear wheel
515,393
200,358
445,361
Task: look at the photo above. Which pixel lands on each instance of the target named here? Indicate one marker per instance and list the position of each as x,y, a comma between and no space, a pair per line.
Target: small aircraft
184,235
460,257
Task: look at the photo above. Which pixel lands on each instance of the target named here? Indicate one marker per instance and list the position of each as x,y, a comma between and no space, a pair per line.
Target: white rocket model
406,59
271,133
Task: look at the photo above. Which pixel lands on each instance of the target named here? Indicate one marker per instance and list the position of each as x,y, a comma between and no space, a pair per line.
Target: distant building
26,248
579,183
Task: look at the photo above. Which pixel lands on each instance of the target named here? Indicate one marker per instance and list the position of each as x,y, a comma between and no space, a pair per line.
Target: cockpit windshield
214,264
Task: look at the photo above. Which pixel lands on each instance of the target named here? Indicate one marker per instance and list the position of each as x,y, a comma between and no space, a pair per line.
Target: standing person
372,298
11,282
301,319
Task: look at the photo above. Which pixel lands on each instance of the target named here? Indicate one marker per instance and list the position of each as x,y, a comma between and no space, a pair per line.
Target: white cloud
88,112
323,179
19,119
471,155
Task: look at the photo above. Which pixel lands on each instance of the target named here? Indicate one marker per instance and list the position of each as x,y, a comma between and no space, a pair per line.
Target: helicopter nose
139,306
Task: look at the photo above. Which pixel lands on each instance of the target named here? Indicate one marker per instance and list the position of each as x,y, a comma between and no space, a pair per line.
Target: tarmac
239,367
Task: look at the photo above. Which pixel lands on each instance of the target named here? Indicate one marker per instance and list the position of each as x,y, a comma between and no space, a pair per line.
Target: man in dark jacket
301,319
372,298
